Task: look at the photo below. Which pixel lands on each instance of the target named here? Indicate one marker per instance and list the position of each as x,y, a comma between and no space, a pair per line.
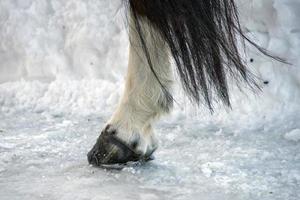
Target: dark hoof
109,150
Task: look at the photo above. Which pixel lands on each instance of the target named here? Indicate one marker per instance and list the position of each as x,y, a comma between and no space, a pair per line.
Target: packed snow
62,67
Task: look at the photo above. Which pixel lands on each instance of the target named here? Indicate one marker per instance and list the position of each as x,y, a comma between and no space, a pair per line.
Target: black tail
202,36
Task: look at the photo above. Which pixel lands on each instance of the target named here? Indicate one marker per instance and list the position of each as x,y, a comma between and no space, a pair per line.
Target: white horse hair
144,100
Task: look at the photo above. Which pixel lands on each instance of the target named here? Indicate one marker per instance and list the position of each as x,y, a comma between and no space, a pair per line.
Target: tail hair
203,37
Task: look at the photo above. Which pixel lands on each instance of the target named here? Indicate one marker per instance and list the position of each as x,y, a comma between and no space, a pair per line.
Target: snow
294,135
62,66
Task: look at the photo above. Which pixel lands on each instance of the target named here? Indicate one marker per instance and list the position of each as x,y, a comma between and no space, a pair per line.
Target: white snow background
62,68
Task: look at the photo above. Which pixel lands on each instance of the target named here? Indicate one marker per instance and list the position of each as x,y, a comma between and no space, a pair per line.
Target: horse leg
143,101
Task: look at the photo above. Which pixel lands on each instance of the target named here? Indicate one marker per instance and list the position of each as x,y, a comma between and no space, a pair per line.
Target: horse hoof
110,150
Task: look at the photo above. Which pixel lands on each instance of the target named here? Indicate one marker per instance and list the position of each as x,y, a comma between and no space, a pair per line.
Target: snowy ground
44,157
61,67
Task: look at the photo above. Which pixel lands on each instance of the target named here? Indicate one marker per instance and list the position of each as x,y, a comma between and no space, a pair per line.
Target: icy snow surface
62,65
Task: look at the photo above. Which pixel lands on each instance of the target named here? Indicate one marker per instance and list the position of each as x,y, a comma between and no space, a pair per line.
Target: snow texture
294,135
62,67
